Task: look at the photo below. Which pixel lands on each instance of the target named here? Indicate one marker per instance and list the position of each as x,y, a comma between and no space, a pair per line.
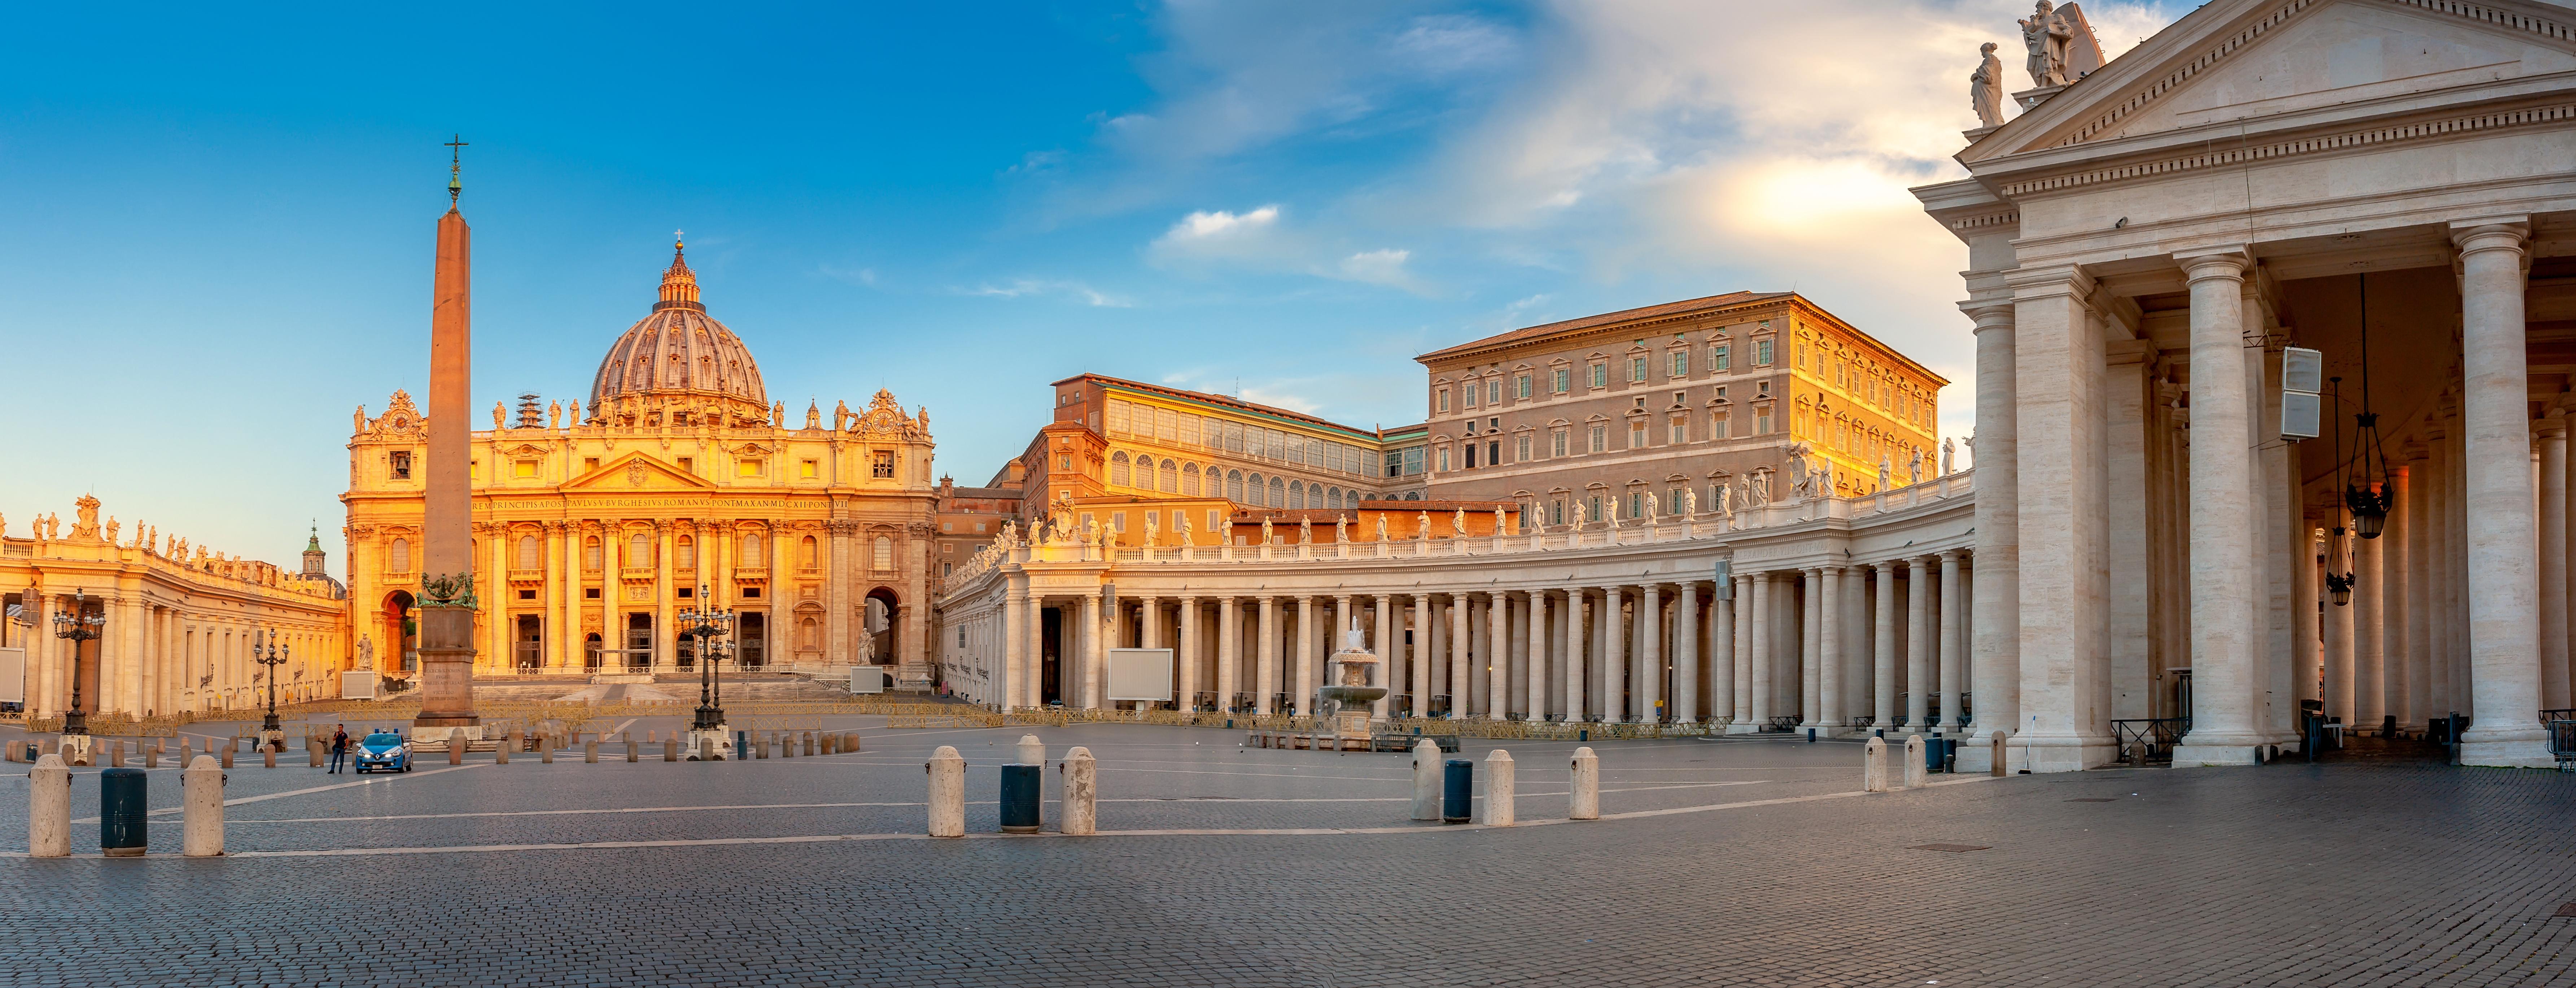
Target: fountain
1346,701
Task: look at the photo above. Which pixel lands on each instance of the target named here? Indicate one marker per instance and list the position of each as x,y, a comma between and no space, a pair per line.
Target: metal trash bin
123,816
1020,794
1457,790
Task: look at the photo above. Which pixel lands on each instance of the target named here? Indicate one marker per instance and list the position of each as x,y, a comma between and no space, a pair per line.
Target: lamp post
707,624
266,651
77,625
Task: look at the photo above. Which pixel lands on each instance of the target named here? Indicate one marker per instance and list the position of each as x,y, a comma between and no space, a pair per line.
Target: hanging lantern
2340,586
2366,491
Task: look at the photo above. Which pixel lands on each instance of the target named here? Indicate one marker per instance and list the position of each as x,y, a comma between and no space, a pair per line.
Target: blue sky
218,219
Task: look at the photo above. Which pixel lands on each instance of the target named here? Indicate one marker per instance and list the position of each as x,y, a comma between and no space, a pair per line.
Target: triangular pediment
2240,61
638,472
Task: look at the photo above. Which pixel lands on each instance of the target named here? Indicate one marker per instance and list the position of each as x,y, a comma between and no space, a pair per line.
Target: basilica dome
678,355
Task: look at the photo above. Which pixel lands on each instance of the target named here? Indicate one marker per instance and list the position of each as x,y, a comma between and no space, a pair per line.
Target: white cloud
1378,267
1030,287
1257,240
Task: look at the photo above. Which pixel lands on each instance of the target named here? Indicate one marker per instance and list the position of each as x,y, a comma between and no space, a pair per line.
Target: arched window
883,555
1234,485
752,556
398,556
590,554
1171,477
1190,480
685,554
1278,495
1297,495
639,550
808,553
1118,469
1333,498
530,555
1252,490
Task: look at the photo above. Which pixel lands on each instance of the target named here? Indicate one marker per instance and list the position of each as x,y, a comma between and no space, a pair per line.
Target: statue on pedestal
1265,530
1152,529
1381,527
2047,36
1914,467
1986,88
1341,528
1305,531
1949,456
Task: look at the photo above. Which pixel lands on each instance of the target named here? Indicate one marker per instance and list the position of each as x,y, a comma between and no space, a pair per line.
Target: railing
2149,742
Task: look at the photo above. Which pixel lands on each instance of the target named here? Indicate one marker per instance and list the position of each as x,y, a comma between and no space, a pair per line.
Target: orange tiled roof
1684,307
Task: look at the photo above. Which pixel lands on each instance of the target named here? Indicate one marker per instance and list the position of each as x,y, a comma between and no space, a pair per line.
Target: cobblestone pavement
1724,862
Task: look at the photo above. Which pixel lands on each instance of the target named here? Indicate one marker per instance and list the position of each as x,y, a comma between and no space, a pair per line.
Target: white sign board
358,684
867,679
13,675
1140,674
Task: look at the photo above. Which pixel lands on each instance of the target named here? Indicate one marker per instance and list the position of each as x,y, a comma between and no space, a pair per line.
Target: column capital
1952,555
2491,233
2550,426
2228,263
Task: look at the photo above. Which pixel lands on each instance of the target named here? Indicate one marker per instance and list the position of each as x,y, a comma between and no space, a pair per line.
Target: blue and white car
384,750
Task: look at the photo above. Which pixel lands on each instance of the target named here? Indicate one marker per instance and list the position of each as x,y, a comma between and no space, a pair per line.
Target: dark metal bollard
1932,755
122,815
1457,791
1020,793
1811,735
1950,755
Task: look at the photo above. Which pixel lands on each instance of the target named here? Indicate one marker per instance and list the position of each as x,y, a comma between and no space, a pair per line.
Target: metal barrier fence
2148,742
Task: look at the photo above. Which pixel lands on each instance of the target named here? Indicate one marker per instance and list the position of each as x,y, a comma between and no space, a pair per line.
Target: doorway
529,641
1050,671
639,641
590,651
752,639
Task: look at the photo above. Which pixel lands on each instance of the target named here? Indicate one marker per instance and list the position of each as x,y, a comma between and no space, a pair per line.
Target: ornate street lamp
707,626
272,655
77,625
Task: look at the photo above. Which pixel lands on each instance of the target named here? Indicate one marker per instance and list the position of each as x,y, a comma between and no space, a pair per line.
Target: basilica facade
677,485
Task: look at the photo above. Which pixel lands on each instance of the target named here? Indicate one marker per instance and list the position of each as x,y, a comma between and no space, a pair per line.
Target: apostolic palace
2275,331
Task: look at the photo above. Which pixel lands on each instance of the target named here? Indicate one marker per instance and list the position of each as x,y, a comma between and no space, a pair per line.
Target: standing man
339,747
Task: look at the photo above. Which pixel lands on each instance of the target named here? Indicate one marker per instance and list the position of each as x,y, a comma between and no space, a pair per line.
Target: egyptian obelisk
447,626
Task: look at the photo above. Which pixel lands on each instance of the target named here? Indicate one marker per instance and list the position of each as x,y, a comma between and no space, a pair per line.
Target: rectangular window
1278,444
1471,456
1637,434
1493,452
881,464
1117,418
1493,391
1762,353
1189,430
1413,460
1556,512
1636,504
589,463
809,469
1562,385
523,468
1521,448
1118,520
1600,439
1762,422
1395,463
1681,363
1592,508
1680,431
747,468
1636,369
1467,395
688,465
590,593
1521,387
1717,426
1601,375
1556,443
1216,520
1440,400
1444,457
1717,359
1167,425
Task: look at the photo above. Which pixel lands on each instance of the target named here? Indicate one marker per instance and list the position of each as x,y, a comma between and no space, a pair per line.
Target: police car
384,750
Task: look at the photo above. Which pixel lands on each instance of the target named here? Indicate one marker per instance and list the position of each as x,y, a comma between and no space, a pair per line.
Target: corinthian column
1996,636
2504,624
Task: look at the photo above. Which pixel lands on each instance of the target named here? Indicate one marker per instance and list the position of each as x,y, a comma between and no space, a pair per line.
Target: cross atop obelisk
447,574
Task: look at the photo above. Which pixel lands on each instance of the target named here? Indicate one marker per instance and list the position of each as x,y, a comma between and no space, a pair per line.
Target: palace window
1493,452
523,468
1680,430
1601,375
1762,353
401,461
1592,508
590,554
1171,477
1717,426
1467,394
1521,387
1118,469
1717,358
1493,391
1637,434
685,554
1636,369
1681,364
1190,480
398,556
1521,448
753,556
1444,458
1167,425
531,556
1278,494
748,468
1216,520
1636,504
1117,418
1600,439
881,464
1561,381
639,551
809,553
881,555
1234,485
1762,421
1556,511
1556,442
1440,400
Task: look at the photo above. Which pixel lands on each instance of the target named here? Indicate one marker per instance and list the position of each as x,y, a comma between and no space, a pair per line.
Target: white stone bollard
201,787
1585,797
152,757
1426,780
850,742
545,750
228,756
809,744
267,757
1995,743
456,746
1873,766
706,749
1500,789
1914,769
947,771
49,808
501,752
671,747
1032,751
630,747
1081,791
590,751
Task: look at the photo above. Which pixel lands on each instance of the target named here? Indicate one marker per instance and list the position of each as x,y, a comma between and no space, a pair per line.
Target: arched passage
877,614
398,625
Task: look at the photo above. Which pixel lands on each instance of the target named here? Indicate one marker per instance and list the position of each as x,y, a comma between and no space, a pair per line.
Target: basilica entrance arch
396,623
877,615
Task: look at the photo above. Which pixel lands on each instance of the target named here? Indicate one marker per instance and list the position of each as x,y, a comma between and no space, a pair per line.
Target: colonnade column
1829,652
1303,670
1494,668
1007,679
1229,650
1810,666
663,593
1649,665
1384,646
1686,629
2222,569
1265,645
2502,534
1571,659
1537,708
2397,601
1185,679
1762,657
1996,637
2367,618
1461,688
555,596
1883,639
2052,699
1511,694
1722,650
1743,613
1614,656
1417,657
2552,431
